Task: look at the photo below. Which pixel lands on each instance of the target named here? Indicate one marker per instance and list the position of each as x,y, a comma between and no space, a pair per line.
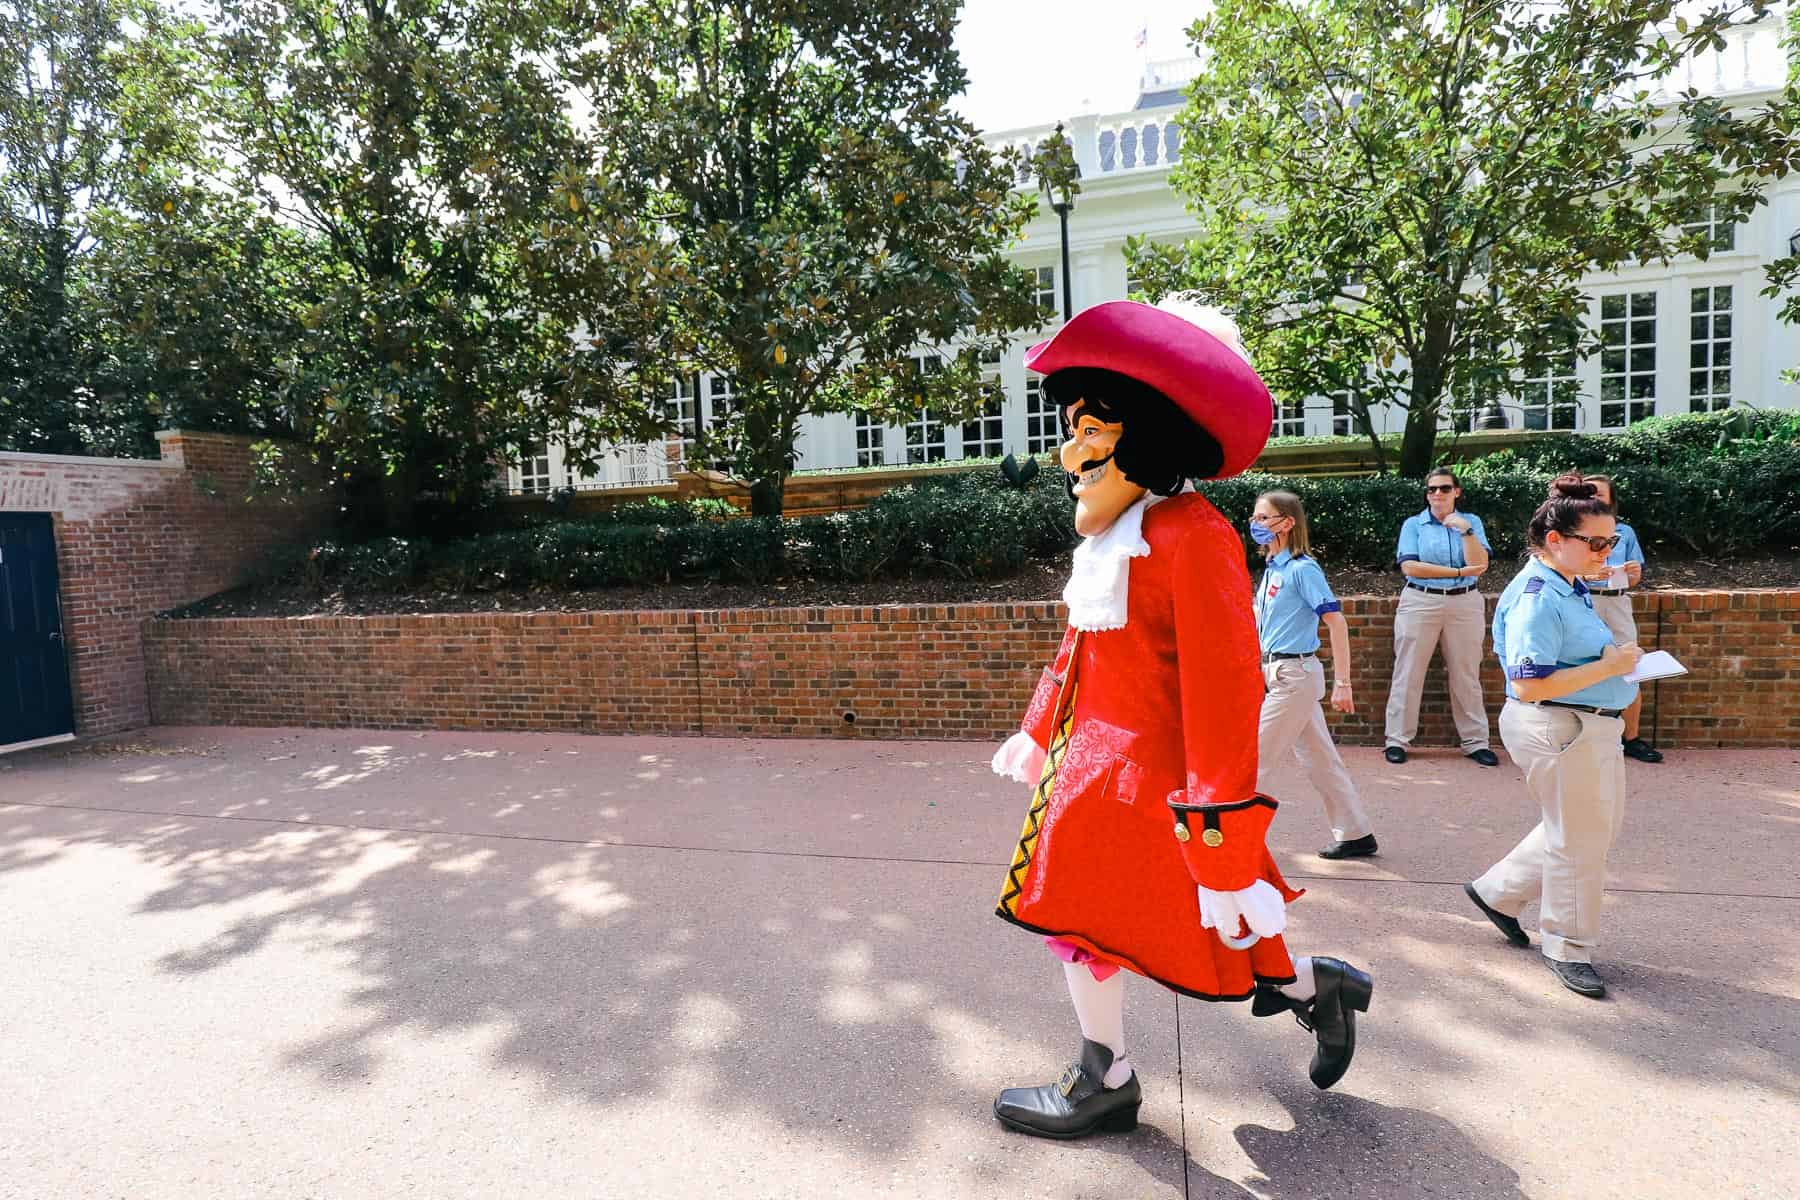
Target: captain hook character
1143,848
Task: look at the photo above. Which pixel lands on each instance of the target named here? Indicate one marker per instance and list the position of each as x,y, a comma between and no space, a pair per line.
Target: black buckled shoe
1395,754
1077,1104
1330,1016
1361,847
1505,924
1578,977
1641,750
1485,757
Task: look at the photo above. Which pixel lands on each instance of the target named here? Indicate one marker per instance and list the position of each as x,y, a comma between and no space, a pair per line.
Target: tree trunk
1419,443
766,496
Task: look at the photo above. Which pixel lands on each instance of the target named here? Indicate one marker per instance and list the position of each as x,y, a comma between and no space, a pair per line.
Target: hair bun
1572,487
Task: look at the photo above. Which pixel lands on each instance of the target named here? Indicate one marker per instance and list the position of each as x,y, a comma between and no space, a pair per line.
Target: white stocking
1303,988
1100,1007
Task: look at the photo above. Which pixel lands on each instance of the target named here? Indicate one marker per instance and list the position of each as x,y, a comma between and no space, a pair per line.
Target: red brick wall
135,537
959,671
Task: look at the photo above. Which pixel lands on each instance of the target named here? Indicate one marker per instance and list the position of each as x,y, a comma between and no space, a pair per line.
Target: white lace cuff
1260,906
1019,758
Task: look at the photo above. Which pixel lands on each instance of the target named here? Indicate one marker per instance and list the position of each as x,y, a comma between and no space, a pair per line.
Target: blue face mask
1261,534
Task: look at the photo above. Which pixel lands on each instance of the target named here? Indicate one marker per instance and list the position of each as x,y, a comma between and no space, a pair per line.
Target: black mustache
1091,463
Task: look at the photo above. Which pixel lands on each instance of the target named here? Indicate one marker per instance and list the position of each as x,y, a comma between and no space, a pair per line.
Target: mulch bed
1040,581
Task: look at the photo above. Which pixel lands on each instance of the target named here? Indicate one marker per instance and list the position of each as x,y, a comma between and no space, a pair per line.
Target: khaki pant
1293,722
1575,770
1421,619
1616,612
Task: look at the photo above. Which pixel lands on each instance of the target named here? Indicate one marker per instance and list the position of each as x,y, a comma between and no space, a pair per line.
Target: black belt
1440,591
1272,655
1606,591
1586,708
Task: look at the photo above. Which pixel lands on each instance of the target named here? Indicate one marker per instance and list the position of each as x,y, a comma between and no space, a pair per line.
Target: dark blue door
35,701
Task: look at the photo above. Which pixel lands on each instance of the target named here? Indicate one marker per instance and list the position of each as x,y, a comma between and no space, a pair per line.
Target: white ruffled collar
1101,579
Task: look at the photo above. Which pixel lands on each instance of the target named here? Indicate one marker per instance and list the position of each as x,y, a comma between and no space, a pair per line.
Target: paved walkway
348,964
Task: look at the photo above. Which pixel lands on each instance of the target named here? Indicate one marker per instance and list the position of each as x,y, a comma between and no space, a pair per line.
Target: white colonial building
1691,336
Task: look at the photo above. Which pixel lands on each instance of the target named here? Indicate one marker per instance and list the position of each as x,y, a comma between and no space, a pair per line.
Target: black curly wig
1159,449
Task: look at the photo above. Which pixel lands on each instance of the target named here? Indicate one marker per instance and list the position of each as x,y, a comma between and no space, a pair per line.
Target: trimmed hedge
1715,484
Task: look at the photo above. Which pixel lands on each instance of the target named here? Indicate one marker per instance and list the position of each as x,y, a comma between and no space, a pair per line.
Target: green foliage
129,285
783,194
1399,201
420,142
1681,487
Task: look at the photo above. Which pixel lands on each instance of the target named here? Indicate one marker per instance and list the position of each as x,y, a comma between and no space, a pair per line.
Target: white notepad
1658,664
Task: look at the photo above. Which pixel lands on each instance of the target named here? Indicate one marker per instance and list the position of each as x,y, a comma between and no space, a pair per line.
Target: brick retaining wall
134,537
952,672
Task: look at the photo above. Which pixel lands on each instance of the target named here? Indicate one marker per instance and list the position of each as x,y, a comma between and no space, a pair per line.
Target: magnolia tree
417,142
1399,198
780,194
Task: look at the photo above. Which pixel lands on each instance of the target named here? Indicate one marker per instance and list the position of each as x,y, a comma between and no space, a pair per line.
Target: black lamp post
1059,178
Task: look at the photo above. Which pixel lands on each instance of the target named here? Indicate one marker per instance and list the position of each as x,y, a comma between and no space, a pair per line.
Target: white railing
1753,60
1109,144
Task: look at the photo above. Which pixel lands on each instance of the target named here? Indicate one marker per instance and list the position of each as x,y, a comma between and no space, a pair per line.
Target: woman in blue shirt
1442,553
1612,600
1291,599
1565,693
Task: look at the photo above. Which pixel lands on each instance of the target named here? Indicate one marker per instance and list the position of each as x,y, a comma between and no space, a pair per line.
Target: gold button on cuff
1181,832
1213,837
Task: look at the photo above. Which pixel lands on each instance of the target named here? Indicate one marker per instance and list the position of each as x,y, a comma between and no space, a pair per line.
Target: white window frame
1044,291
1624,359
1043,429
534,469
683,408
927,435
871,440
1709,348
1549,391
1721,236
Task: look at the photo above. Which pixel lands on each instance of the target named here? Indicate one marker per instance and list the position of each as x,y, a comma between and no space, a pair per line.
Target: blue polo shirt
1544,623
1426,539
1627,550
1291,598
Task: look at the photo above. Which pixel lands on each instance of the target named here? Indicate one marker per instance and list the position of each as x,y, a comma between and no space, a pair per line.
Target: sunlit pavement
352,963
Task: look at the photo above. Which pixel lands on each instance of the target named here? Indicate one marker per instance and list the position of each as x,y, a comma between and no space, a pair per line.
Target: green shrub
1717,484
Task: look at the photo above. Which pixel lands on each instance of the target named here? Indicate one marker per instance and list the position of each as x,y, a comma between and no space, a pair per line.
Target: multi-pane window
925,432
1548,391
1041,432
722,403
1343,415
1719,232
1709,349
683,409
981,438
870,439
1290,418
1044,293
1627,358
534,469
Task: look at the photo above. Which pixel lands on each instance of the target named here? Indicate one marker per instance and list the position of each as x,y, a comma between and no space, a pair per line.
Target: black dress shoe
1578,977
1505,924
1485,757
1641,750
1330,1016
1395,754
1360,847
1077,1104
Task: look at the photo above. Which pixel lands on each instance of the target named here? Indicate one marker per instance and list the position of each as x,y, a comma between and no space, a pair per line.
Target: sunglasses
1439,487
1596,544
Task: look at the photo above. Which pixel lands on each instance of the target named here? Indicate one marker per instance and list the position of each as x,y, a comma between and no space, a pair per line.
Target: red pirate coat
1160,712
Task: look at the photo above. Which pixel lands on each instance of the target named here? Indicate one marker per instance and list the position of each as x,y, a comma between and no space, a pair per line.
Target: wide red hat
1208,380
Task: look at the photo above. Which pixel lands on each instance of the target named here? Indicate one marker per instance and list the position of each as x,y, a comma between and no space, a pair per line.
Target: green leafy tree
98,129
782,195
417,141
1399,197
